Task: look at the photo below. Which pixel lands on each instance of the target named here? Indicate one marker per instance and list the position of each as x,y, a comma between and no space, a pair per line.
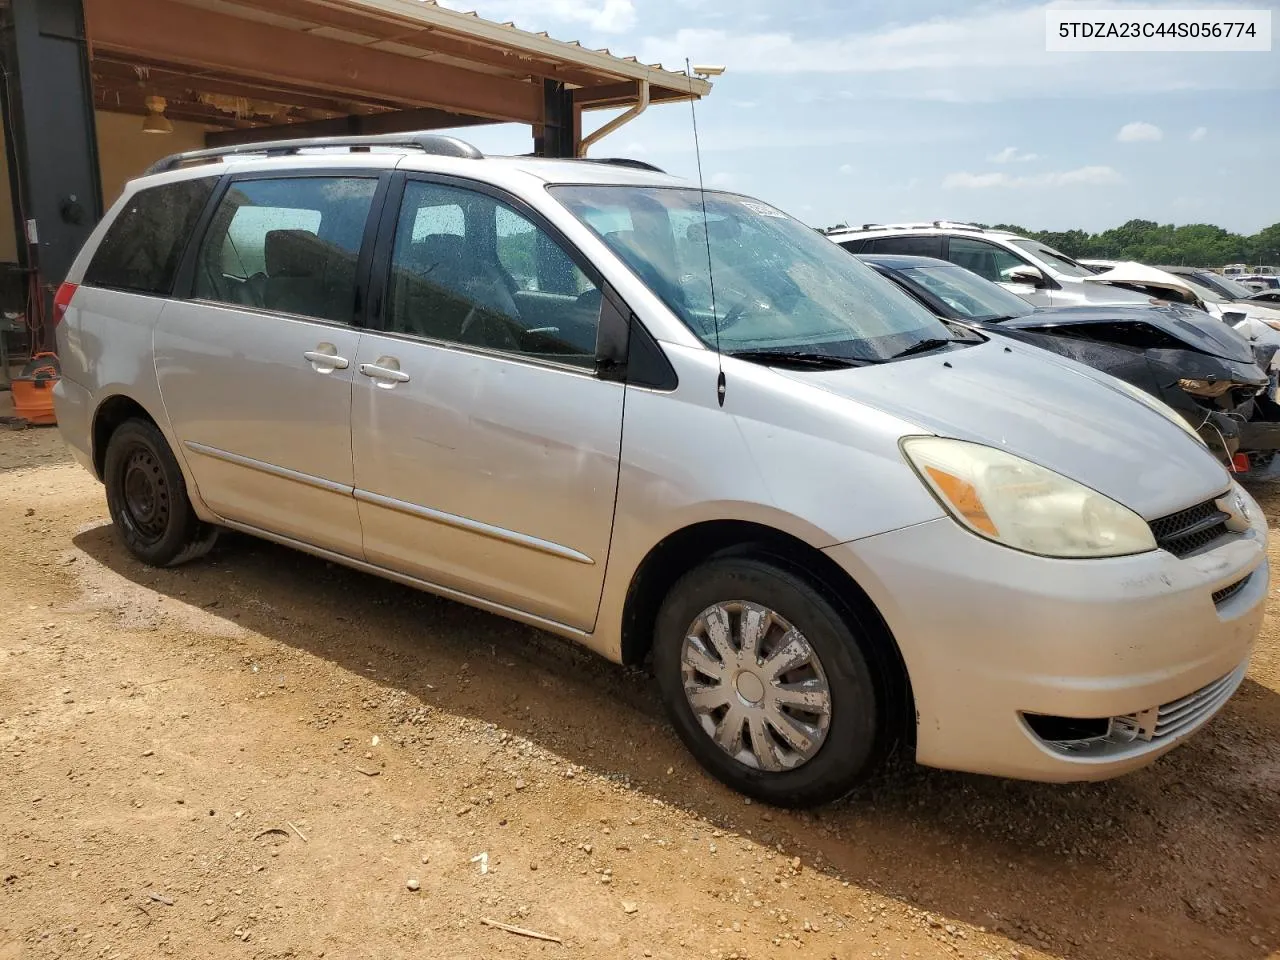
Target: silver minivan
678,427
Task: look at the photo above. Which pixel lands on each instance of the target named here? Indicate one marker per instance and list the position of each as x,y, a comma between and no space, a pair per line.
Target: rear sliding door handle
386,374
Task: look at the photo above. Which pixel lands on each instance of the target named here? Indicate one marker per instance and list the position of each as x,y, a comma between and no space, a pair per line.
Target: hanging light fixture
156,121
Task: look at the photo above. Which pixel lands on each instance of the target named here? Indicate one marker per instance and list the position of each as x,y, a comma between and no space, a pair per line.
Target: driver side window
468,269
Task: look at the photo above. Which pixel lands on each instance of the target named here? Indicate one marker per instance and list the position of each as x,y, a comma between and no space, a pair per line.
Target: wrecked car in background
1196,364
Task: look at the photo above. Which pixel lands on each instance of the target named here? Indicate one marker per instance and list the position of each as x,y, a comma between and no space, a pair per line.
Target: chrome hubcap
756,685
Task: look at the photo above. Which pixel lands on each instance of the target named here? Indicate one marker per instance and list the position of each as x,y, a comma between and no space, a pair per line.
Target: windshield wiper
924,346
825,361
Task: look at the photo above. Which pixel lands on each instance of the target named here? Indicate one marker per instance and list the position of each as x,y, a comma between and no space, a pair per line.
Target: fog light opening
1068,729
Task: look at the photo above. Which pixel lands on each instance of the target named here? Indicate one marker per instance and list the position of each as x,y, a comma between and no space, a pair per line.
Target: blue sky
862,111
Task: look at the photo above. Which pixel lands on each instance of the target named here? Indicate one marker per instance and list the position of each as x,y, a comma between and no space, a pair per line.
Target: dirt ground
265,756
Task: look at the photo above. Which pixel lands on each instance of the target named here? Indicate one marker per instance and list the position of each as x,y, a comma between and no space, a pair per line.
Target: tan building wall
124,151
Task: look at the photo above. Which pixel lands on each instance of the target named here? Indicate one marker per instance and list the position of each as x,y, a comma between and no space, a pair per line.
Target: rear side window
143,246
287,244
908,246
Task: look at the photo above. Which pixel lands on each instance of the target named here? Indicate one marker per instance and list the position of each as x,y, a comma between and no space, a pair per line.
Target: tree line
1192,244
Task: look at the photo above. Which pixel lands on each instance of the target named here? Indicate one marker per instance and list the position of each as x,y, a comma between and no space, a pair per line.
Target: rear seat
308,276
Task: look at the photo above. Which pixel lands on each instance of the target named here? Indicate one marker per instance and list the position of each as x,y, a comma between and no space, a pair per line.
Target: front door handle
380,371
326,359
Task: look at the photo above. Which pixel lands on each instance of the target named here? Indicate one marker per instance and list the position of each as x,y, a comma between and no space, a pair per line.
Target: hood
1194,328
1247,309
1047,409
1150,278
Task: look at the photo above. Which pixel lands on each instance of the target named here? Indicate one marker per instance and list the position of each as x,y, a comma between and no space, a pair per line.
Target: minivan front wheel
147,498
766,683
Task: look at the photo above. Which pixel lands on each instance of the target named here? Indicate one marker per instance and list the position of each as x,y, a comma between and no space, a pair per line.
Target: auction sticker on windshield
1167,31
755,206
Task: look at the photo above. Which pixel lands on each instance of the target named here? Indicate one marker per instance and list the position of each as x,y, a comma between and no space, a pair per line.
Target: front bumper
991,636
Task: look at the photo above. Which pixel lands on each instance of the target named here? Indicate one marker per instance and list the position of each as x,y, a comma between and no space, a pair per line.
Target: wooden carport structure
272,68
247,70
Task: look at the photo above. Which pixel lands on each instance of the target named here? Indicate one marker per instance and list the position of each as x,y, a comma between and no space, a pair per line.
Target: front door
996,264
256,368
486,448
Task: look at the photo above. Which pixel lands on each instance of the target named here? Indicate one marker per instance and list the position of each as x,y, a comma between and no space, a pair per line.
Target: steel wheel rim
145,495
756,686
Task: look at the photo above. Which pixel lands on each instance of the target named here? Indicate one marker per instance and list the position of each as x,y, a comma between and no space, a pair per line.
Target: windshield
972,297
1059,262
777,284
1224,285
1206,291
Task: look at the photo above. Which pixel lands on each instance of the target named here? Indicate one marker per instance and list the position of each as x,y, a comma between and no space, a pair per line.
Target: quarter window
469,269
287,244
927,246
142,248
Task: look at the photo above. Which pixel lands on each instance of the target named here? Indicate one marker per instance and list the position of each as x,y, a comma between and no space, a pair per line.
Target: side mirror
1026,274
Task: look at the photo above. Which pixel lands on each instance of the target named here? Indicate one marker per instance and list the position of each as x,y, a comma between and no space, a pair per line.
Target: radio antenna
706,235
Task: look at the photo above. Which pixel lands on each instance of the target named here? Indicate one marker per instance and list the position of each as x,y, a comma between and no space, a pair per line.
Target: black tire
854,742
147,497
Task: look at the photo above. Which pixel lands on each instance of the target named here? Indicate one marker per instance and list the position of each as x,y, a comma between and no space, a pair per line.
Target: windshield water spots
969,295
750,277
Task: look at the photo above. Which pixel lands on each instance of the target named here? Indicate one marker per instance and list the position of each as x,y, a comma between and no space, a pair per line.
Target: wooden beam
396,121
198,38
207,118
623,95
416,15
428,39
116,74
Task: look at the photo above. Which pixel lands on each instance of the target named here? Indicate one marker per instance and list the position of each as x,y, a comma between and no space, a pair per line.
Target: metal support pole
52,140
561,123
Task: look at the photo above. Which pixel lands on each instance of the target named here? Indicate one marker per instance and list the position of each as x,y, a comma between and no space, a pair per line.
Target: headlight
1158,406
1022,505
1206,388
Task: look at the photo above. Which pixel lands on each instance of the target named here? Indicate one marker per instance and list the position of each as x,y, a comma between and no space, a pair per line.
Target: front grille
1226,593
1189,530
1188,711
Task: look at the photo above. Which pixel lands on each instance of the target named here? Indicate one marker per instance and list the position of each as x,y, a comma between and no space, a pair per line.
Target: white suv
1036,272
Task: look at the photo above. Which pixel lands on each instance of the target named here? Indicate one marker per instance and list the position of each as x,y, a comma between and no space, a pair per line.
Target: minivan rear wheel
766,683
147,498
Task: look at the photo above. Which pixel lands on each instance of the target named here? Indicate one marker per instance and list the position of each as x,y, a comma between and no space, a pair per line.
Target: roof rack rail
624,162
426,142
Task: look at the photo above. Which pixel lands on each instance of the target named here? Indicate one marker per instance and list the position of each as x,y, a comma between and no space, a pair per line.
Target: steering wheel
741,301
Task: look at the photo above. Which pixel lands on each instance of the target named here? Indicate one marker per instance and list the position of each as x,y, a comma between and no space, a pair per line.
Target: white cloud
1012,155
1096,176
939,42
976,181
722,179
1139,132
993,52
1199,133
847,169
603,16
